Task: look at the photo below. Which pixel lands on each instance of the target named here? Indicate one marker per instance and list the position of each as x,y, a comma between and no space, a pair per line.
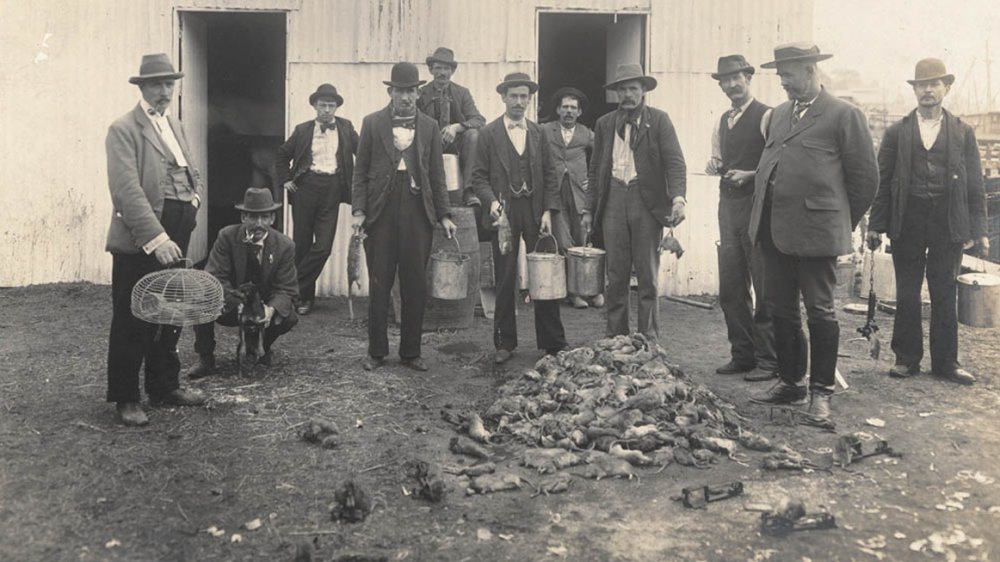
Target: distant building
987,126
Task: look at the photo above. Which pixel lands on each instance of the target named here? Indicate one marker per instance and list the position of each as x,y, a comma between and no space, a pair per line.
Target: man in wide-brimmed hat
816,179
399,195
315,166
451,105
570,143
931,203
737,143
513,175
156,191
637,182
246,257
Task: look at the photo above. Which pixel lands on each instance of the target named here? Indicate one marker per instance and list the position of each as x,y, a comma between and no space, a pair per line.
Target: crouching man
251,252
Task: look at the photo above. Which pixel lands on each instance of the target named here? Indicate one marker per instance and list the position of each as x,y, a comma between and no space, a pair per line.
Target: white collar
743,107
507,122
146,108
931,119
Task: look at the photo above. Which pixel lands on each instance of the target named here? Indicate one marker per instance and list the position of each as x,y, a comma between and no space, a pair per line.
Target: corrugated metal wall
55,216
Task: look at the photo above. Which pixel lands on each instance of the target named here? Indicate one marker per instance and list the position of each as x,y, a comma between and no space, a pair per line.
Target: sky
883,39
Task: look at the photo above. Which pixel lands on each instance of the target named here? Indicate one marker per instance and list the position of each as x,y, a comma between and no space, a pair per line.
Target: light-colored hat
155,67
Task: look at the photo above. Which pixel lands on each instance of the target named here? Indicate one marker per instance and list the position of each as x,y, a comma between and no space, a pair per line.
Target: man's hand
449,133
357,221
984,247
268,314
677,212
290,186
495,210
740,177
546,225
449,227
713,166
586,221
874,239
168,253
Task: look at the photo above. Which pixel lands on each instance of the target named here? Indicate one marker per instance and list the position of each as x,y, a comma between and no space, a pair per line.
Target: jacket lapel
905,147
149,131
643,131
267,258
953,139
181,139
812,114
384,129
500,141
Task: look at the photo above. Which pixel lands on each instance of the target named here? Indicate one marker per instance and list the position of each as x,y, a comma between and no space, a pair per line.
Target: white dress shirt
162,126
731,121
324,150
929,129
622,159
567,134
402,138
517,132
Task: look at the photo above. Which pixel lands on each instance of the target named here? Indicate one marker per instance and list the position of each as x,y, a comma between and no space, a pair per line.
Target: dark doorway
242,57
577,49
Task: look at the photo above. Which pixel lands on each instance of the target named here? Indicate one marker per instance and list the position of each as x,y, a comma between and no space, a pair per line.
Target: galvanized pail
585,271
979,300
546,273
449,274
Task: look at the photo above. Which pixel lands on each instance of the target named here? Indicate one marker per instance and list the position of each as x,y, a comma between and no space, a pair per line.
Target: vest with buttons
410,157
520,168
930,167
743,144
253,270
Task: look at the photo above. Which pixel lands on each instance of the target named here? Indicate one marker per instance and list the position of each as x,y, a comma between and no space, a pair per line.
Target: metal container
585,271
546,273
979,300
449,274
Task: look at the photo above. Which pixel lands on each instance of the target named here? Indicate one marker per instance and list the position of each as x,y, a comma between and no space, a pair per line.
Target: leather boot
203,368
818,414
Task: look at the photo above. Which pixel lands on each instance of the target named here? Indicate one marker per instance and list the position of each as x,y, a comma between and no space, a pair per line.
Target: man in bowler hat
399,195
315,166
932,204
816,179
637,184
513,174
251,252
737,143
155,190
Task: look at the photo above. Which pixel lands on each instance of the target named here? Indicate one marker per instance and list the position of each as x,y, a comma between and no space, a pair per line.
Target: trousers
315,213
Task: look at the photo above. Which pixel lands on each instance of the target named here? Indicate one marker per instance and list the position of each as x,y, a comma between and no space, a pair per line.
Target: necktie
324,127
731,118
444,109
517,125
632,121
800,108
405,122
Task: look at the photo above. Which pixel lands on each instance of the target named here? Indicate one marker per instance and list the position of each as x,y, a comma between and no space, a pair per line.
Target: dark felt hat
404,75
731,64
568,91
155,67
631,71
931,69
258,200
517,79
326,91
443,55
795,52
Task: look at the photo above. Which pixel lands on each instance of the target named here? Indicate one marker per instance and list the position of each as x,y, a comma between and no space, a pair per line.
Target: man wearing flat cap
155,190
251,253
737,143
931,203
458,118
637,182
815,181
570,144
513,174
399,195
315,166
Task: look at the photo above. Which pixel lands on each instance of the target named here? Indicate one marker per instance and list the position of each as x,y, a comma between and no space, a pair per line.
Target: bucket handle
457,245
555,243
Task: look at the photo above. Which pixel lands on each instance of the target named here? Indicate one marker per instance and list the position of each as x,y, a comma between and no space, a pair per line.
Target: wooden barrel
456,314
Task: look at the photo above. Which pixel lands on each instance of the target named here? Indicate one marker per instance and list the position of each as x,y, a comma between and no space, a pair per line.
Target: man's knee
287,322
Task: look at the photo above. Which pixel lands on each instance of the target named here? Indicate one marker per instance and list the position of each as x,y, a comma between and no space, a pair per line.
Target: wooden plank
979,265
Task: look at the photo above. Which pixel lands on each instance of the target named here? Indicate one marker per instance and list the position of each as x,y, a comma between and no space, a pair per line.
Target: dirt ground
74,485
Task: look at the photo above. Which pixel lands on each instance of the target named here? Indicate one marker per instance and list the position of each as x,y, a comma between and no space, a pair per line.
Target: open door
194,114
625,45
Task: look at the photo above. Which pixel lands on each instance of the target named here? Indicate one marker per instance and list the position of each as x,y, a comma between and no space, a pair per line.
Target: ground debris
353,503
430,484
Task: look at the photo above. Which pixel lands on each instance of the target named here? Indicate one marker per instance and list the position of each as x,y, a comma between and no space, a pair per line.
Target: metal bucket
585,271
449,274
546,273
979,300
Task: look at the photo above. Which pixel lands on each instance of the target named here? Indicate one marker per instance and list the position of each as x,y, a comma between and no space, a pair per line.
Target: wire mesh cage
177,297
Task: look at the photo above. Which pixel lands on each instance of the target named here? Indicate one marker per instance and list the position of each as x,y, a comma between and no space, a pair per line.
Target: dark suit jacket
491,178
137,169
298,149
378,159
967,199
228,263
825,177
571,160
659,162
463,109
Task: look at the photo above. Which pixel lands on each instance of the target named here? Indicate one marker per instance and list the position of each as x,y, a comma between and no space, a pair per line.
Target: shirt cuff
152,245
679,199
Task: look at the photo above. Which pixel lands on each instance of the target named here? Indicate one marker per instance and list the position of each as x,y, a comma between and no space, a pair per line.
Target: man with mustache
931,203
399,195
570,144
155,191
737,142
315,166
637,184
815,181
452,106
513,174
251,252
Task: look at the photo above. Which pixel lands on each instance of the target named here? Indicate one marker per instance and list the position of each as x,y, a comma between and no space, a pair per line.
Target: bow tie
516,125
324,127
404,122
